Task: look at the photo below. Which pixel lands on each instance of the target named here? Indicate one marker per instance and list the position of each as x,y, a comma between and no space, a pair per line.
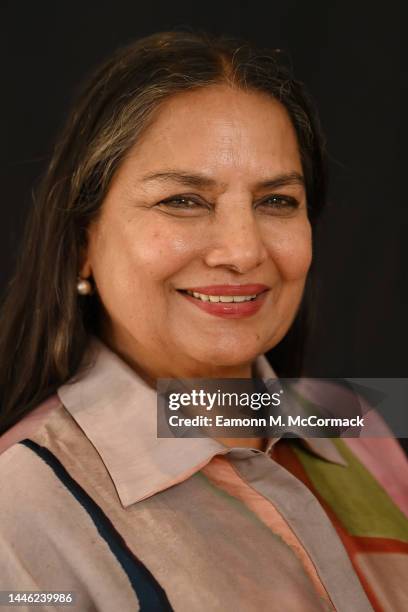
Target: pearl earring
83,286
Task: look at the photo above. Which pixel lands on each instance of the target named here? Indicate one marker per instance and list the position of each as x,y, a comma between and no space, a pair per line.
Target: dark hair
45,325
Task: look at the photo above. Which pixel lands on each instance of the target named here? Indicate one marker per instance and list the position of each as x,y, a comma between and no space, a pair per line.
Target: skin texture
141,251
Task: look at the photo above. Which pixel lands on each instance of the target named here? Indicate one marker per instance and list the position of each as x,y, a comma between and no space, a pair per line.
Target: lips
231,308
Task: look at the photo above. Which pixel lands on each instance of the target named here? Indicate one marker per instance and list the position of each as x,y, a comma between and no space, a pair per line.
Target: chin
230,354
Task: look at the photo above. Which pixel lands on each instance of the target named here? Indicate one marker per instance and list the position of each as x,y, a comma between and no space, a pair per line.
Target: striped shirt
94,503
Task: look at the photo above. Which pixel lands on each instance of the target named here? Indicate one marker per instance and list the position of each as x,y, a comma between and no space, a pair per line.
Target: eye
279,204
183,206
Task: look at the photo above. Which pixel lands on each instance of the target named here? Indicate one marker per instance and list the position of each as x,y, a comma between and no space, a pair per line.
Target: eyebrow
203,181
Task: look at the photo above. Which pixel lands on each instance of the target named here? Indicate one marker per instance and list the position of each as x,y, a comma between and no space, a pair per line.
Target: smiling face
227,207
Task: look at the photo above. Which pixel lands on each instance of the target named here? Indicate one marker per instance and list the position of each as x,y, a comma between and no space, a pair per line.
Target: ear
85,270
85,266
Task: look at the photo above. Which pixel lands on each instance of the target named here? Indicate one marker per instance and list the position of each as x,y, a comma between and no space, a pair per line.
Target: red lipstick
228,310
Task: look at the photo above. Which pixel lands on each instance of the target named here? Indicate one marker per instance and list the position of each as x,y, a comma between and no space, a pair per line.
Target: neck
152,367
150,376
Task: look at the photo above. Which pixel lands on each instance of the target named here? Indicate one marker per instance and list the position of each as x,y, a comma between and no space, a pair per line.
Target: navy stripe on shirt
151,596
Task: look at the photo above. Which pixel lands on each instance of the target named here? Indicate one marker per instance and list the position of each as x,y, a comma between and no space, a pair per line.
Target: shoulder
31,450
43,457
30,424
45,532
36,501
18,464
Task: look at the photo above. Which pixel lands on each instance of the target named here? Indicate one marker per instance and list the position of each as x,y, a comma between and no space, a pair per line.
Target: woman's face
211,195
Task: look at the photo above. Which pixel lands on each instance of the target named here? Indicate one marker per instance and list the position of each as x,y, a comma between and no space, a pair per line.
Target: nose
236,241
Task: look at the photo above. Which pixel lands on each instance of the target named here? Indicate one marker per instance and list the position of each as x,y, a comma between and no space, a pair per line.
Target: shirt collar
116,409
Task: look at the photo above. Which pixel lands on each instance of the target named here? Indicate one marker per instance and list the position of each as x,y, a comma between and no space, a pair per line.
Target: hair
45,324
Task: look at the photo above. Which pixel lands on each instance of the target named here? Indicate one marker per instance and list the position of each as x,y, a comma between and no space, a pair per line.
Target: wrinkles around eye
275,204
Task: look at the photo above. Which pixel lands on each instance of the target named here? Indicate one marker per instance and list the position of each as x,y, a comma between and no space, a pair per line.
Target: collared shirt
94,503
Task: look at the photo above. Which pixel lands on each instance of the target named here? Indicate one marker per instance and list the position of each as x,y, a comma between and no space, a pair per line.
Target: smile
221,298
229,306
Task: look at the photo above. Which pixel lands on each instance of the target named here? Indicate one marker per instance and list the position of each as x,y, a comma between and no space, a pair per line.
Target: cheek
161,253
137,255
291,251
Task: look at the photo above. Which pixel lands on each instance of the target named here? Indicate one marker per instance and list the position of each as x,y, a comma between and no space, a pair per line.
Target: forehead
219,129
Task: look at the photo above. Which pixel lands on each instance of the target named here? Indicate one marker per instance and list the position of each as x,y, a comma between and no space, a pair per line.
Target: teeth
221,298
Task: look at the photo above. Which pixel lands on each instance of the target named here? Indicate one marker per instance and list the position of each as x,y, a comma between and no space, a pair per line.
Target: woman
172,238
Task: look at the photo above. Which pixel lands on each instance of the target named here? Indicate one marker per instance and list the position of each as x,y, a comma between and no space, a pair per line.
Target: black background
349,56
